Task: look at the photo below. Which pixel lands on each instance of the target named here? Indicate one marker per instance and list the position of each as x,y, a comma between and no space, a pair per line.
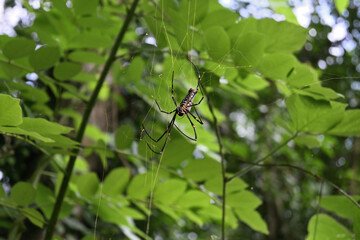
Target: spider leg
172,89
196,119
193,139
198,102
168,130
198,75
198,85
163,110
193,126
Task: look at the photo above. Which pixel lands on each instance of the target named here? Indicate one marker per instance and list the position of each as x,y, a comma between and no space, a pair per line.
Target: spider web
184,79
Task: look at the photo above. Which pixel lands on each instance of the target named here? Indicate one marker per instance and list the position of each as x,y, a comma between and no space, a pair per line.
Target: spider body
183,109
186,103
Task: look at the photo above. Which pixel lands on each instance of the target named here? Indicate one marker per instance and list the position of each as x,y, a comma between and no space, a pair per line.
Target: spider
183,109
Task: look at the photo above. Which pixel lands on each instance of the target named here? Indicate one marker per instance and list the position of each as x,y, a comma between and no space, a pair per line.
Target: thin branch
340,190
80,134
254,164
223,164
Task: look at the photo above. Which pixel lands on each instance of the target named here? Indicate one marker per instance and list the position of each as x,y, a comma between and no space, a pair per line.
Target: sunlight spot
312,32
336,51
340,162
303,11
223,80
338,32
322,64
151,41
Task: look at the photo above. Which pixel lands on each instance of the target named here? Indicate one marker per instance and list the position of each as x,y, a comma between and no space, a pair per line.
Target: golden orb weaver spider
183,109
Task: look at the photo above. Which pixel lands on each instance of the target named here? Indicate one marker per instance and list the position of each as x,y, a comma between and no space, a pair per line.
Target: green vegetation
276,158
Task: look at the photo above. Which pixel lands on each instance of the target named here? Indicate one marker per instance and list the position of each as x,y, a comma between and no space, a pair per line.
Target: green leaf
321,226
349,125
193,217
44,57
90,40
20,131
202,169
124,136
116,181
86,57
319,93
303,75
140,186
111,214
254,82
66,70
288,13
194,198
131,212
11,70
95,22
34,216
192,10
45,199
308,141
168,192
341,5
277,65
235,185
340,205
217,42
11,113
43,126
252,219
214,184
134,72
314,116
173,157
248,49
282,36
222,17
168,210
60,141
210,211
18,48
85,7
23,193
244,200
87,184
183,34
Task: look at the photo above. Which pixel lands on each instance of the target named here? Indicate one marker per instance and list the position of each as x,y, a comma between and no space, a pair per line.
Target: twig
80,134
256,162
313,175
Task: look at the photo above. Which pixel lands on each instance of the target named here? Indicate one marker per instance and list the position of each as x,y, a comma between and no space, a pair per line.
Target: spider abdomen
186,103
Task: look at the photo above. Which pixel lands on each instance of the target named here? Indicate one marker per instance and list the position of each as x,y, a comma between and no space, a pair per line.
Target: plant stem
254,164
223,165
339,189
80,134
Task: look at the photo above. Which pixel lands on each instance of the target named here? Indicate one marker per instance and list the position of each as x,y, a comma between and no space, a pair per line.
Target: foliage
266,104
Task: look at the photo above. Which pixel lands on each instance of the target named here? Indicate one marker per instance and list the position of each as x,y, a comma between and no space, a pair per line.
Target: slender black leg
195,104
192,139
193,126
168,130
196,119
163,110
198,85
172,89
